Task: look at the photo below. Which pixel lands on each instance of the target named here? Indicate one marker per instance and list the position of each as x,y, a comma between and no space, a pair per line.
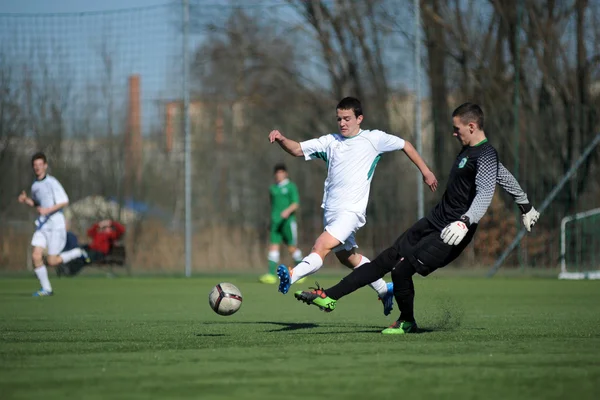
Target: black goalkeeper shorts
423,247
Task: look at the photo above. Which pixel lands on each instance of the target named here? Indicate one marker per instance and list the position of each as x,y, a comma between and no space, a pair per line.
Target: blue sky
70,37
62,6
142,41
71,40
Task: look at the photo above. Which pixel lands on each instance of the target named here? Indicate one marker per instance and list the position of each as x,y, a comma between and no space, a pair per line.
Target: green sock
272,267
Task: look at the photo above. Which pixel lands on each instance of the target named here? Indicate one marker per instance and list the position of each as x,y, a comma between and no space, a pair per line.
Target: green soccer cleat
268,279
401,328
316,297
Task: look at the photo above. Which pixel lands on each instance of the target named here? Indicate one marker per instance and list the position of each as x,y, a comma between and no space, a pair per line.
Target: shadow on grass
210,334
285,326
378,329
17,295
298,326
374,329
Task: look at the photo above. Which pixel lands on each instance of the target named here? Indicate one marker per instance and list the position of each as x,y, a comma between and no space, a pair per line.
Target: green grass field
157,338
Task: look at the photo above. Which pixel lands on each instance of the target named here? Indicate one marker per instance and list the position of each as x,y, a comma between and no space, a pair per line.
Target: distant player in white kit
49,198
351,157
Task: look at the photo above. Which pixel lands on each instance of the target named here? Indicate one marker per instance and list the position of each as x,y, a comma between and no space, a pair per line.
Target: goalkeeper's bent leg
366,274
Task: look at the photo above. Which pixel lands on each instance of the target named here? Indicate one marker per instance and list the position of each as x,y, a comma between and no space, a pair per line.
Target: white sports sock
379,285
70,255
273,256
309,265
297,256
42,274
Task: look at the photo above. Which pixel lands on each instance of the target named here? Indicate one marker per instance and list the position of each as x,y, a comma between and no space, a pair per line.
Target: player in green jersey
285,201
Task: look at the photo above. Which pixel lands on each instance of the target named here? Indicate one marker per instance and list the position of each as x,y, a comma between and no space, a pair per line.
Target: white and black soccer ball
225,298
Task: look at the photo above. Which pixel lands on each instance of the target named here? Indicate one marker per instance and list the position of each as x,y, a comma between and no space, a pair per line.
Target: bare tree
435,36
351,37
12,128
246,81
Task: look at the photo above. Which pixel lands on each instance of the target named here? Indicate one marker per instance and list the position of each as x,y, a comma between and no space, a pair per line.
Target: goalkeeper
438,239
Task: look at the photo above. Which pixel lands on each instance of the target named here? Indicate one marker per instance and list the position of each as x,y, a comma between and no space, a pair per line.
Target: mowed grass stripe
157,338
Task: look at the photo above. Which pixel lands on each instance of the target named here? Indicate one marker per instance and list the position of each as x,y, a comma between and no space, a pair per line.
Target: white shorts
342,225
53,241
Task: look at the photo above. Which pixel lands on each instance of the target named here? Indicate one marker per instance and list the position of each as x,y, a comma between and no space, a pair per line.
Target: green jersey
283,195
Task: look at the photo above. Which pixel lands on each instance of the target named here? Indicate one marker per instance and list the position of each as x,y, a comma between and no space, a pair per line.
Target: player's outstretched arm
507,181
289,145
428,176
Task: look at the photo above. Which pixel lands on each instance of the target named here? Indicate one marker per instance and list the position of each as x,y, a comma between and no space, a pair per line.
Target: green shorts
285,231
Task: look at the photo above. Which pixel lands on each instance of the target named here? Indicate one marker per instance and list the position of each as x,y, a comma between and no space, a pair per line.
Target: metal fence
104,94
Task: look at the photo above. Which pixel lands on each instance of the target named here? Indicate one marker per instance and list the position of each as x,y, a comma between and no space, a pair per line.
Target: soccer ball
225,298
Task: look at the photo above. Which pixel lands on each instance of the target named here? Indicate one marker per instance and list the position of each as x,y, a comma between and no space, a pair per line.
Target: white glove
454,233
530,218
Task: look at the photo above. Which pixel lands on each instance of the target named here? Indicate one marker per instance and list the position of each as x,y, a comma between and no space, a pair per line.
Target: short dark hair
350,103
39,156
279,167
469,112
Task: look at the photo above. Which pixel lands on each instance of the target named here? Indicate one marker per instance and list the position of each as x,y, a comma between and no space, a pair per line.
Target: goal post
580,245
549,198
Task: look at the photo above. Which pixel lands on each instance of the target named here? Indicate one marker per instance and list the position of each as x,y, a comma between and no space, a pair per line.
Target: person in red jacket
103,234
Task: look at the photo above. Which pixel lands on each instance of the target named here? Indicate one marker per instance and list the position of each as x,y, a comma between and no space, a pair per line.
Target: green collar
352,137
480,143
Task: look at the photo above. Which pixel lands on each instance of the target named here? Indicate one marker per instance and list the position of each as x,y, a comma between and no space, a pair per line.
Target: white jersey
47,193
351,163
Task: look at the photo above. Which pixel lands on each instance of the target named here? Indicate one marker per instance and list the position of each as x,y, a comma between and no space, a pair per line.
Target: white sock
70,255
309,265
273,256
297,256
42,274
379,285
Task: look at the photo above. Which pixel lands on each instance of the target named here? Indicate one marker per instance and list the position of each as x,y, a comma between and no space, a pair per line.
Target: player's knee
37,253
403,270
324,244
54,260
38,261
321,248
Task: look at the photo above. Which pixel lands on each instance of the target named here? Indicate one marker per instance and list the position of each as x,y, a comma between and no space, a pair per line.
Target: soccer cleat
268,279
285,279
388,299
85,256
316,297
43,293
401,328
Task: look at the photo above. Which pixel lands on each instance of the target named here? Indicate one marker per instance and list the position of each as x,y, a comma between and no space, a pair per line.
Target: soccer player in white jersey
49,198
351,157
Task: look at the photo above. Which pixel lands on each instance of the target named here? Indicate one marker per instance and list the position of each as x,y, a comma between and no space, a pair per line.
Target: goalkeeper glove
455,232
530,215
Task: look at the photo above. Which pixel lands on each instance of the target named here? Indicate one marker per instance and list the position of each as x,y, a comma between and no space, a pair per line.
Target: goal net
580,245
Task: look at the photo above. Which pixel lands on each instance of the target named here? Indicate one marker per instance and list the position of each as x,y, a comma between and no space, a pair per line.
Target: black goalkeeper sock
404,290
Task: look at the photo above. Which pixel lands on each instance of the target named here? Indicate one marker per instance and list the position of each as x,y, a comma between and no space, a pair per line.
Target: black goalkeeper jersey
470,186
